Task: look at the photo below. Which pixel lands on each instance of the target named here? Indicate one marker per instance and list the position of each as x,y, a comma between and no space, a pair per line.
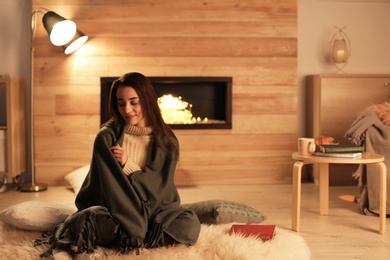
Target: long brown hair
150,109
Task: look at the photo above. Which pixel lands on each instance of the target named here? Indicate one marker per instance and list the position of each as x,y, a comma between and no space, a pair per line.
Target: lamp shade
76,42
60,30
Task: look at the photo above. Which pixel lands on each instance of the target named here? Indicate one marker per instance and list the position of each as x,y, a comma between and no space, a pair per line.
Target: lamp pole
62,32
33,186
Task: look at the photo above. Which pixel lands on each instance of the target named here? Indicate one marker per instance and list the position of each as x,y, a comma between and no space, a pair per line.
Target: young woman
128,199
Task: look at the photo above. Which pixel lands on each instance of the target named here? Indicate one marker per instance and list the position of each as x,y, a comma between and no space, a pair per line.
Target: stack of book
340,150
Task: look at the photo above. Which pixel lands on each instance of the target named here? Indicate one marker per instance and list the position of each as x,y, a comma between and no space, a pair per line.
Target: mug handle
311,147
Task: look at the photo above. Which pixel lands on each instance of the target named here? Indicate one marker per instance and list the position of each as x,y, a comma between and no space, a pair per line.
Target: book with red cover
265,232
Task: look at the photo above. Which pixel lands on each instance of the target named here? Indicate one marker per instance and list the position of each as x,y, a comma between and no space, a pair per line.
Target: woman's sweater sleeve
130,167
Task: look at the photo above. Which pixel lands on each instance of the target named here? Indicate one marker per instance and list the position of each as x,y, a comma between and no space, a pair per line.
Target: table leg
324,188
296,196
382,197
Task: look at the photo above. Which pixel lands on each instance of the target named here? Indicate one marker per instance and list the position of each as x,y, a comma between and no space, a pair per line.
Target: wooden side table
323,162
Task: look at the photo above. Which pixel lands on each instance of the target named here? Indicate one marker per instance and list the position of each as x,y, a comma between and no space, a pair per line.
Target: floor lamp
62,32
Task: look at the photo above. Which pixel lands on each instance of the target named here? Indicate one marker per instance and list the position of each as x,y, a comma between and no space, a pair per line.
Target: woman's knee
185,228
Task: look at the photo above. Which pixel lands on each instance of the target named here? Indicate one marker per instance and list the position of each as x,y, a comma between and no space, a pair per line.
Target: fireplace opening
209,100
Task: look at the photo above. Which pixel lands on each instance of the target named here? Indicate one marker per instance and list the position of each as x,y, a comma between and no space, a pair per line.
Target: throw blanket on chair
369,130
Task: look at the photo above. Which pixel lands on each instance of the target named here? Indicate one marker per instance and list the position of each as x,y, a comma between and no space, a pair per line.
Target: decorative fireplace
209,99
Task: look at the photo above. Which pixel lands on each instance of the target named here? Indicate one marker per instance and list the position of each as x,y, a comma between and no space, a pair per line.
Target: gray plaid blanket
368,130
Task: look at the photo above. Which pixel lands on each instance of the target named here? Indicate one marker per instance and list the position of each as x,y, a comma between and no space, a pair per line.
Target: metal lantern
340,48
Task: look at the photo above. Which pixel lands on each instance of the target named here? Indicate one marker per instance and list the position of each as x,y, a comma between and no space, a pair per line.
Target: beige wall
15,43
367,26
15,18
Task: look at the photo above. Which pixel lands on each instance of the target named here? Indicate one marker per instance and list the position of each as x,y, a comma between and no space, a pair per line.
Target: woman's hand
119,154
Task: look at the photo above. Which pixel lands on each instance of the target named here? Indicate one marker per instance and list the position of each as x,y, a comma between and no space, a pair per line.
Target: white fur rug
213,243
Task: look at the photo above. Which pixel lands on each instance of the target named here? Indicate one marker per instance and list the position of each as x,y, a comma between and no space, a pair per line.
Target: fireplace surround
211,98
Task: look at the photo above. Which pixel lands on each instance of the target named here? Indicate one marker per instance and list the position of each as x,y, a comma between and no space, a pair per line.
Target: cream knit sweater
136,144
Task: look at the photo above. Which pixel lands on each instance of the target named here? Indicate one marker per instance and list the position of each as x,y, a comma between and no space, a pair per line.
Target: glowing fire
174,110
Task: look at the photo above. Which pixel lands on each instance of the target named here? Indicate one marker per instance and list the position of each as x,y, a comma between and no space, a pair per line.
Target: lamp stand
33,186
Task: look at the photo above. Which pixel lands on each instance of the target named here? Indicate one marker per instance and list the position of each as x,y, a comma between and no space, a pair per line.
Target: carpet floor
214,243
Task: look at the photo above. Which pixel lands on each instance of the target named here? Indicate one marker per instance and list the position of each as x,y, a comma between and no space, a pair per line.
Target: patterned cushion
223,211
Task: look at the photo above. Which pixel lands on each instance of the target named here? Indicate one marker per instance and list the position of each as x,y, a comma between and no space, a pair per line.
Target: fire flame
174,110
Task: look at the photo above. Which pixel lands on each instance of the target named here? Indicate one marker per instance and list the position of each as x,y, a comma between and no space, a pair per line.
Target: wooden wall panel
189,47
253,41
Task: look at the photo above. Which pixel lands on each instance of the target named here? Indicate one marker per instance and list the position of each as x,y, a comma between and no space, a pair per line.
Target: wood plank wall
253,41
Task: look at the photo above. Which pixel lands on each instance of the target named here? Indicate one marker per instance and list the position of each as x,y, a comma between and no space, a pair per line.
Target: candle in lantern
340,56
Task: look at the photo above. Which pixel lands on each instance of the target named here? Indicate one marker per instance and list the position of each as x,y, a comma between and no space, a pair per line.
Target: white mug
306,146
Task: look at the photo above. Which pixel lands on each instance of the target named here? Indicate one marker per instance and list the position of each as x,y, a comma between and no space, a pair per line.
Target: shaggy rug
214,243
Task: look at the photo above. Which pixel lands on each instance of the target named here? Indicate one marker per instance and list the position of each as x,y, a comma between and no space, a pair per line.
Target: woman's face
129,106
